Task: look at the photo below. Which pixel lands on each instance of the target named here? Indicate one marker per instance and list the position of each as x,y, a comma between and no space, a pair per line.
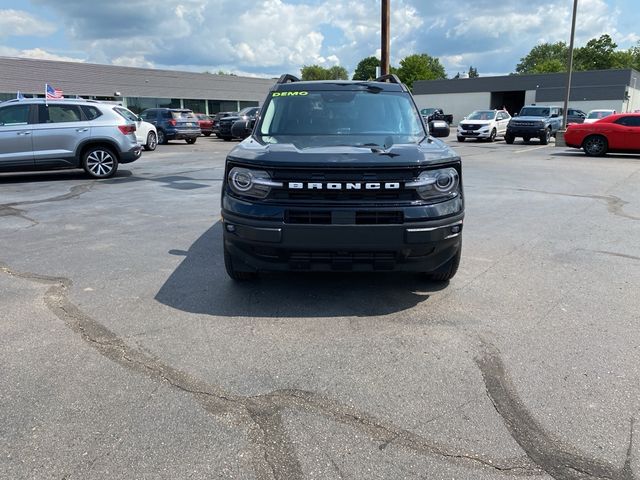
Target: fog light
231,228
456,229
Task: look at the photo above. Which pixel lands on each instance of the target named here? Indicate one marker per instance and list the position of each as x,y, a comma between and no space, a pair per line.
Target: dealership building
606,89
136,88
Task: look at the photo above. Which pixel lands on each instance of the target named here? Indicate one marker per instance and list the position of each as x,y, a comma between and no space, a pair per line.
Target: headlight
486,127
439,183
251,183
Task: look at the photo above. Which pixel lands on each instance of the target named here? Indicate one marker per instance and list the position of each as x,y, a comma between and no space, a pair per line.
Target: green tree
338,73
543,57
597,54
366,69
473,72
420,67
316,72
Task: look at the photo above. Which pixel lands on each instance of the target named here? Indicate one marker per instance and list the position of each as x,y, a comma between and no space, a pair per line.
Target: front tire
544,140
234,274
191,141
100,162
461,139
509,138
207,134
448,270
227,139
595,145
492,135
152,142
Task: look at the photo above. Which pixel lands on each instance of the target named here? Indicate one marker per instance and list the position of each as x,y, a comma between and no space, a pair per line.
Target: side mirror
241,129
515,114
554,115
139,119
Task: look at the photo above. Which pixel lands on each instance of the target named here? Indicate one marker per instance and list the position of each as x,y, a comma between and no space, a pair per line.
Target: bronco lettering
343,186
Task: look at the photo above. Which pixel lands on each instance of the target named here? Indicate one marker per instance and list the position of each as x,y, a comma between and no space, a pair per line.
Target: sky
266,38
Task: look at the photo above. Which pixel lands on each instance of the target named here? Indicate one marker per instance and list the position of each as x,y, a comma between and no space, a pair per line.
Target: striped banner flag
52,93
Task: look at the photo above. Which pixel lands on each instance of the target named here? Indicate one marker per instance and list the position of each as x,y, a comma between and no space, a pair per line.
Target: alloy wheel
100,163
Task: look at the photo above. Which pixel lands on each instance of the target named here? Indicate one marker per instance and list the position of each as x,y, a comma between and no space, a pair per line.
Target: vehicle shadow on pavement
200,285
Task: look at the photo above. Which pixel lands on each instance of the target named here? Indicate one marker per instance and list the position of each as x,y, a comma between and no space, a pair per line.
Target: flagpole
46,101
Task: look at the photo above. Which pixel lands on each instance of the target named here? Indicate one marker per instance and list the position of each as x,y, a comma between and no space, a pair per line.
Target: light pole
569,65
384,50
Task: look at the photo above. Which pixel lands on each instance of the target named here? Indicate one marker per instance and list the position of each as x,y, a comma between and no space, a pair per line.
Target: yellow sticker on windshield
289,94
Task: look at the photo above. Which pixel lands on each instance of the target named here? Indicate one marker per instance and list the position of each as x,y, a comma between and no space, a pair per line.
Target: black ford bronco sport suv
341,175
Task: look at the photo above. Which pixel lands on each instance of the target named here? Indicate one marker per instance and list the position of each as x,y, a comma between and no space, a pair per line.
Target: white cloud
36,53
21,23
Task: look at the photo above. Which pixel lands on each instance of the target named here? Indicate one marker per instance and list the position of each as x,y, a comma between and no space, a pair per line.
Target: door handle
80,130
24,133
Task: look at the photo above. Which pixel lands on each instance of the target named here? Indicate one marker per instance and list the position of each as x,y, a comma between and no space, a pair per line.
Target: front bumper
527,132
269,245
473,133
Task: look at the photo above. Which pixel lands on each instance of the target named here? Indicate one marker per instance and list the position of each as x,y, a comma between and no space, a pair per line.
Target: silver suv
66,133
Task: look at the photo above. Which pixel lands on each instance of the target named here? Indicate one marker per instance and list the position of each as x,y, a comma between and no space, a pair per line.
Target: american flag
52,93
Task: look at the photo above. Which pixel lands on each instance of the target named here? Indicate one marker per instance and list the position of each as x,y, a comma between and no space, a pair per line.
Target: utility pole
384,60
570,64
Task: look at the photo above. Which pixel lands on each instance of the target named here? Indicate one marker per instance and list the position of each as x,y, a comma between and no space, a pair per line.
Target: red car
206,124
616,133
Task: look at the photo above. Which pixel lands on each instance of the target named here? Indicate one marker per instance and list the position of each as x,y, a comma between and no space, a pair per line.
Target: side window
14,115
59,113
91,112
148,115
629,121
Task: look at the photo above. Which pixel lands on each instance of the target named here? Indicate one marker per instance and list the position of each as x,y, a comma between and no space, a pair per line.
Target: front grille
343,260
325,217
525,124
286,175
471,127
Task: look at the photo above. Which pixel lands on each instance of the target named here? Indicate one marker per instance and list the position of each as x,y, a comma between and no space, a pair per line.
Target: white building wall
529,97
458,104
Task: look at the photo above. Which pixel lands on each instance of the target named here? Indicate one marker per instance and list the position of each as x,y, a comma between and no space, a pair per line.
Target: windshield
482,115
352,118
534,112
599,114
247,112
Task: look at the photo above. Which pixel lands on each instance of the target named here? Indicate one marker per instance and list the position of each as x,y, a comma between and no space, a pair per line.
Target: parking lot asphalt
126,352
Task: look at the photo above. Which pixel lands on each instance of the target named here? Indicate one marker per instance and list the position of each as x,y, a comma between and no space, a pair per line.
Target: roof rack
390,77
287,77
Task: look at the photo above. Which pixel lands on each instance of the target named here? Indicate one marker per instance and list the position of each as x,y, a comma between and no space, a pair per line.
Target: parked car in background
244,119
146,133
575,116
216,121
614,133
226,123
484,124
535,121
595,115
206,124
436,114
65,134
173,124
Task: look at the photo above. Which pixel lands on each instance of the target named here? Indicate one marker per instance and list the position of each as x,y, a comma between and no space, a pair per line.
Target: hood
530,119
430,151
476,122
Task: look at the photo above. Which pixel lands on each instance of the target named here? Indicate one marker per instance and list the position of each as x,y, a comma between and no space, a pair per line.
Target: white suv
39,135
485,124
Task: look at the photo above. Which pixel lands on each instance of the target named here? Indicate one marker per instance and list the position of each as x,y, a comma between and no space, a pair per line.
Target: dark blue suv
173,124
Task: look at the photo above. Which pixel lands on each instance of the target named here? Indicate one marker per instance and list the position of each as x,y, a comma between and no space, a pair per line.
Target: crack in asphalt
9,209
614,204
558,460
275,456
